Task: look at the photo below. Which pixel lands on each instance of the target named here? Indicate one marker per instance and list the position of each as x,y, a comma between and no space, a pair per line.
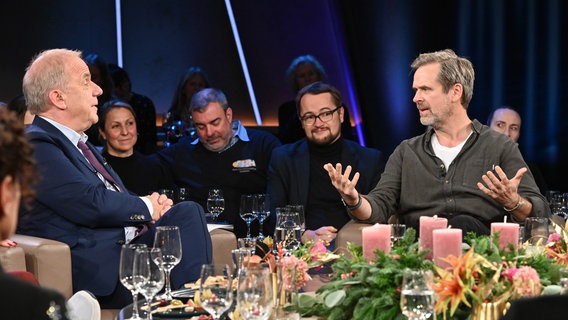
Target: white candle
375,237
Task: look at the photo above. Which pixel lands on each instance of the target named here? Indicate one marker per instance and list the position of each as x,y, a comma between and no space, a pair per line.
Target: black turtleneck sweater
324,206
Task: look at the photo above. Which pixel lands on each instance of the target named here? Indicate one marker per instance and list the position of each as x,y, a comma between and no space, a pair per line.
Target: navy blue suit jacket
288,173
73,205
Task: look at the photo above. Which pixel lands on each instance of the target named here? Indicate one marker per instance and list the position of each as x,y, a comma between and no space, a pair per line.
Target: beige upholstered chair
50,261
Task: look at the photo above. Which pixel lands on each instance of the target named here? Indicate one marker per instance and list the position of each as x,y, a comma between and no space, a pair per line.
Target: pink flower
553,237
526,282
288,265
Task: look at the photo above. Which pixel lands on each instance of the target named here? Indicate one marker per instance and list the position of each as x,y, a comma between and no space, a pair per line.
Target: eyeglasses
326,116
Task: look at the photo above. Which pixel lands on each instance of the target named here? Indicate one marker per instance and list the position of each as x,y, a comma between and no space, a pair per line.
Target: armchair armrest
49,261
351,232
223,242
12,259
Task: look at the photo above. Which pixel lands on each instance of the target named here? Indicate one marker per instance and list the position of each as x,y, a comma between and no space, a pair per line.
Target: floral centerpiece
557,244
371,290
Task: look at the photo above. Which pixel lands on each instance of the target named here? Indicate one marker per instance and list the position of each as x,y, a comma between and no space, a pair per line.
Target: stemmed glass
126,273
288,232
215,203
254,293
245,211
216,289
261,209
148,274
417,296
168,239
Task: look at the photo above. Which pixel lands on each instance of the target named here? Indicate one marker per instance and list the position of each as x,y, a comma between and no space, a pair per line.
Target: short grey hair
206,96
453,69
46,71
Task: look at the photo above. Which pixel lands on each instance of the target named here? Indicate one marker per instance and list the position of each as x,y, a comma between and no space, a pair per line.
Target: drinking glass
168,239
126,273
417,296
248,244
148,274
215,203
288,232
254,293
183,195
302,218
245,211
397,233
216,289
261,209
536,229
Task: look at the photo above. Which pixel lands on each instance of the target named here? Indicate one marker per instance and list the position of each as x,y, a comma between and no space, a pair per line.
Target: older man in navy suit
296,172
79,199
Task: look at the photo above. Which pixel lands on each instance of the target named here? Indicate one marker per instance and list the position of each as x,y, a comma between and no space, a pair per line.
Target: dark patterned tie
97,164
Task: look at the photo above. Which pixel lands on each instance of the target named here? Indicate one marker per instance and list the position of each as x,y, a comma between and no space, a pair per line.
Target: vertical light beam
243,61
118,14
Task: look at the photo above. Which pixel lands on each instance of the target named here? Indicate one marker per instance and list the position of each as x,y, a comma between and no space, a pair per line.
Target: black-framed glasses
326,116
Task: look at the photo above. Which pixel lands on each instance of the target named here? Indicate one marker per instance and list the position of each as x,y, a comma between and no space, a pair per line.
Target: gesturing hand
342,183
500,188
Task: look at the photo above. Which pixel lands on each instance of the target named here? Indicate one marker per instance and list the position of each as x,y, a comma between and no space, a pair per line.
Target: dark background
518,48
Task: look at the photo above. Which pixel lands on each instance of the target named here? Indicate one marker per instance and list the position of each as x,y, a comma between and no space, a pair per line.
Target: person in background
507,120
100,75
19,299
302,71
458,169
18,105
296,174
224,156
143,107
80,200
118,130
193,80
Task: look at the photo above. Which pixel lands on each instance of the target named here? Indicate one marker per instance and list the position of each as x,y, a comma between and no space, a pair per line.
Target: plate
183,295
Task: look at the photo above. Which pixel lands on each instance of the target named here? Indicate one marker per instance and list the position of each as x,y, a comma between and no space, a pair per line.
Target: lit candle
427,225
508,233
446,242
375,237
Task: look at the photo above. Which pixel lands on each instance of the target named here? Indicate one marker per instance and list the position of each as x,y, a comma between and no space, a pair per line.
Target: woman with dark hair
139,173
19,299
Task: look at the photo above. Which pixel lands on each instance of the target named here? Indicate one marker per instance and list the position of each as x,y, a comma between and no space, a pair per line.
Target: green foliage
361,290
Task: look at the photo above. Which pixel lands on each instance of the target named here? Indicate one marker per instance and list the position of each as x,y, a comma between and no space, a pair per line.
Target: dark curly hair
16,153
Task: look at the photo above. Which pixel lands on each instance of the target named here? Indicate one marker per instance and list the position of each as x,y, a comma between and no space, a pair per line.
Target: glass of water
417,296
215,203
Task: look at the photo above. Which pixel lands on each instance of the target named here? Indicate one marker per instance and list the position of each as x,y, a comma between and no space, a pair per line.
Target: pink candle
509,233
446,242
375,237
427,225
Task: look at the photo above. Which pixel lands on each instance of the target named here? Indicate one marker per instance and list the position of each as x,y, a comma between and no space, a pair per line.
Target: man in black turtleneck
296,173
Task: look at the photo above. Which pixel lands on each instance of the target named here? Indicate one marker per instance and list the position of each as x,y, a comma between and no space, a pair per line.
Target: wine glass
215,203
245,211
216,289
126,273
254,293
302,218
148,274
288,232
168,239
417,296
261,209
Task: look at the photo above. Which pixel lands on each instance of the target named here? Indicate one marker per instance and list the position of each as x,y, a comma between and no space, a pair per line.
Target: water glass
288,232
216,289
183,195
397,233
126,274
254,293
169,240
245,211
417,296
247,244
536,230
261,209
301,216
239,257
215,203
148,274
